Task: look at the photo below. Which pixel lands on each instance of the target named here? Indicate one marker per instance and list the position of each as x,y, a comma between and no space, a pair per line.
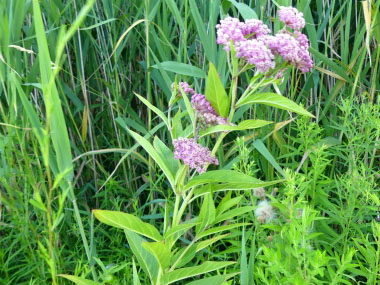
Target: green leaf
333,66
166,155
189,108
99,24
178,230
246,11
219,229
214,280
136,280
259,145
146,260
127,222
154,154
224,176
207,213
201,31
153,108
160,251
79,280
274,100
227,203
205,243
58,129
233,213
215,92
244,125
175,12
30,112
181,68
210,188
187,272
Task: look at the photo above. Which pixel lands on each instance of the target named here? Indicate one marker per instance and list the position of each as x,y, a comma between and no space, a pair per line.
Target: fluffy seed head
193,154
264,212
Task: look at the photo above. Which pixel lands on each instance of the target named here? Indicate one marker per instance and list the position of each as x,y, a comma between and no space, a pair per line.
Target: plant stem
233,98
184,204
176,206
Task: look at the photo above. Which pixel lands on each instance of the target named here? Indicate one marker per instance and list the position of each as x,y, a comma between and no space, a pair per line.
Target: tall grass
69,71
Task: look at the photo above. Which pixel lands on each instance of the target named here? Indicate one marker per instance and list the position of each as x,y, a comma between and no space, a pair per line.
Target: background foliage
67,94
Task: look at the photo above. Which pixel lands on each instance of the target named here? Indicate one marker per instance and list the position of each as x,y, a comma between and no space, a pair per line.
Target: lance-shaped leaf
160,251
225,176
207,213
274,100
127,222
187,272
244,125
145,259
153,108
166,155
214,280
79,280
181,68
246,11
215,92
154,154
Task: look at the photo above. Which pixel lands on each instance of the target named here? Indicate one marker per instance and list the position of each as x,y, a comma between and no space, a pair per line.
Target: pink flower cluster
253,43
185,87
231,29
293,48
291,17
193,154
257,53
206,112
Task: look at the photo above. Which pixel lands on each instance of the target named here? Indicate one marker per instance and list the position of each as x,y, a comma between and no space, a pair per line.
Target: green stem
233,97
176,219
81,231
184,205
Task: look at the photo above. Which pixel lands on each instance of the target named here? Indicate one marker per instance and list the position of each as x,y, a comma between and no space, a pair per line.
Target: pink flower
257,53
293,48
201,105
254,29
185,87
206,113
193,154
229,29
291,17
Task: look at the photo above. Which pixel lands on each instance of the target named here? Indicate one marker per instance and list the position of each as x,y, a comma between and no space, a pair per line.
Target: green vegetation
79,82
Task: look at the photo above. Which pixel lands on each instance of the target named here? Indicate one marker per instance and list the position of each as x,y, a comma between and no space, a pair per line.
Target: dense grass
65,96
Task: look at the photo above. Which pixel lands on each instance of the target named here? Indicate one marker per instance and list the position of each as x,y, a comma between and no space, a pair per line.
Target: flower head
185,87
193,154
207,114
229,29
257,53
201,105
291,17
254,29
264,212
293,48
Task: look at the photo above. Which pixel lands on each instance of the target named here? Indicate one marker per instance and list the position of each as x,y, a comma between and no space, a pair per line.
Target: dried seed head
264,212
259,192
